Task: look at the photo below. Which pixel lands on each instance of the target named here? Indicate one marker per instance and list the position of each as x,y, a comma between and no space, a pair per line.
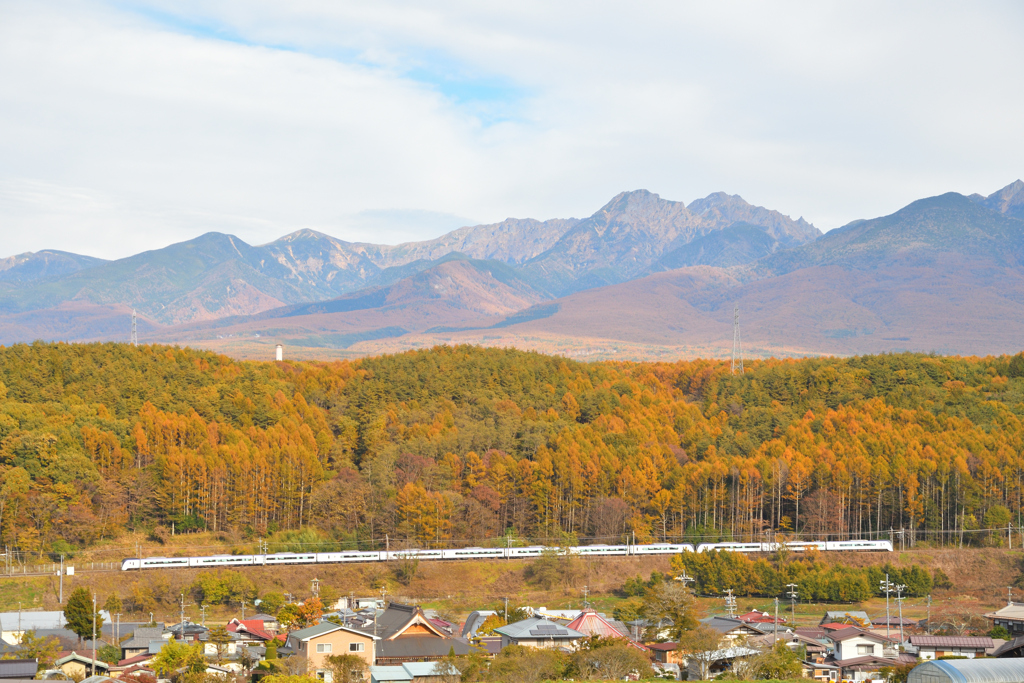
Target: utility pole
792,599
929,629
886,587
243,609
316,588
61,579
117,629
730,603
775,631
202,612
93,634
586,593
899,601
737,350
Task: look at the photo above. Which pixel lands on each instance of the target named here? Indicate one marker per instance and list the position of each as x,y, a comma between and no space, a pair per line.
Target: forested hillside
460,445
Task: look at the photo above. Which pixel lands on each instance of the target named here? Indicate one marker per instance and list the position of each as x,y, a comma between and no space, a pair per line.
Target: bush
223,587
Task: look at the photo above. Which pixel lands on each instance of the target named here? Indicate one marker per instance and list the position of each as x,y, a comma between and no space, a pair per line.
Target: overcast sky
129,125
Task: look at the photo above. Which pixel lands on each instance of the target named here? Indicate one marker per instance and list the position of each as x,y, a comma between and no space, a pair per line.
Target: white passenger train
273,559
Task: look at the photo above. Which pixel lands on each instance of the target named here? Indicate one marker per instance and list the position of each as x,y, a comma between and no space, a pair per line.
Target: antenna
135,330
737,351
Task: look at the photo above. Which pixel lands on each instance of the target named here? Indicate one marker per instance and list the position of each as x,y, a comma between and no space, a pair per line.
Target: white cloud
132,125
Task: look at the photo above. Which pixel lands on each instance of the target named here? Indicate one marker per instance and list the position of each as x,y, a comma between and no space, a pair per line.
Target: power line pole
775,631
93,634
886,587
730,603
899,601
737,351
793,594
62,579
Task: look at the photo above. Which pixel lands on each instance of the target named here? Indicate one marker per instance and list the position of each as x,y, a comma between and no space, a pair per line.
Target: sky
129,125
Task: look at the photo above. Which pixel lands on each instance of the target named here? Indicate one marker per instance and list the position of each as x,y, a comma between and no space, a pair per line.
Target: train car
348,556
424,554
661,549
528,551
220,561
473,553
153,563
290,558
599,550
738,547
801,546
875,546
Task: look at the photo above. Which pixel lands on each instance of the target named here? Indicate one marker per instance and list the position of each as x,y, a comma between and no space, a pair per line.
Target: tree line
464,445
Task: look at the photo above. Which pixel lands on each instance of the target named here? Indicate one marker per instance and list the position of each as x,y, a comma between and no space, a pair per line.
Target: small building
820,670
78,665
968,671
13,625
538,632
413,672
140,640
1010,617
316,643
732,628
756,617
590,624
853,642
1010,648
474,621
407,635
936,647
18,668
666,653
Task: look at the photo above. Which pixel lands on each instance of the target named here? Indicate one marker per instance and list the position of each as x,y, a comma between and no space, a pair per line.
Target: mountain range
641,277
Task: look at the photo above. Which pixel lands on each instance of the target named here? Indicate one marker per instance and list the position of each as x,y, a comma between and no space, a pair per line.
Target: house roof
1007,648
663,647
6,648
136,659
418,669
872,662
538,628
324,628
733,653
590,623
85,656
474,621
727,625
979,643
763,617
396,620
893,621
1013,611
18,668
142,637
32,621
416,646
389,673
854,632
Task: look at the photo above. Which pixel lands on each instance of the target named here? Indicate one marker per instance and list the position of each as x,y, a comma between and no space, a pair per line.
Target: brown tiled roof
980,642
663,647
853,631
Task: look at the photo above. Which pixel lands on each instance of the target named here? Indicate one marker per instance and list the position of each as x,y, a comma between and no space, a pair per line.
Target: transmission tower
135,330
737,351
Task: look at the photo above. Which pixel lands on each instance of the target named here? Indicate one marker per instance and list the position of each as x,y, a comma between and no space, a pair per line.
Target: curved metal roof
988,670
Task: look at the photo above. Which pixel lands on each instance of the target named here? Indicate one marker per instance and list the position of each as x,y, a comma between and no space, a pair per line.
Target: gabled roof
398,618
142,637
1007,648
590,623
854,632
976,642
324,628
85,656
727,625
760,617
18,668
136,659
538,628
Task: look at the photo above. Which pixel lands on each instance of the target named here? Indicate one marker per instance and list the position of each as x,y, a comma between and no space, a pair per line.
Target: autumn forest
473,446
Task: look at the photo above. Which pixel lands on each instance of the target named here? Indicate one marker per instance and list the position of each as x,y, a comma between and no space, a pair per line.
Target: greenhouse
986,670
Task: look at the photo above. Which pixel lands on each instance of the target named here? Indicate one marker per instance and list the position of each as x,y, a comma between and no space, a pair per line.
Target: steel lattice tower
737,350
135,330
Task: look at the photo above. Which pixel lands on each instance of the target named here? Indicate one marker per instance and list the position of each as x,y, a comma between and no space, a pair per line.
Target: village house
666,653
732,629
18,668
935,647
591,624
140,640
407,635
538,632
77,665
1010,617
316,643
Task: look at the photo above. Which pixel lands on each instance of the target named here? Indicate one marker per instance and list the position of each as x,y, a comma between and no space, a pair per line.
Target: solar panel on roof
544,632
